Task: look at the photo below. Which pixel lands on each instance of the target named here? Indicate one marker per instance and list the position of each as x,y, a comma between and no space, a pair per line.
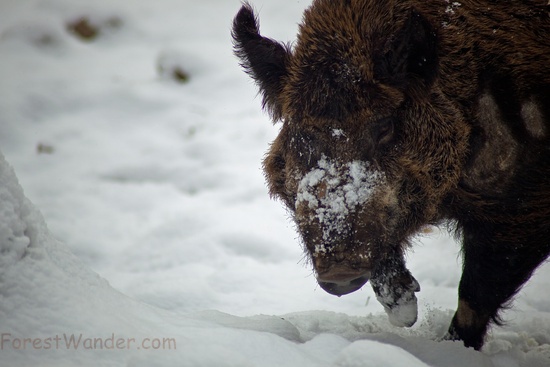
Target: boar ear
412,53
263,59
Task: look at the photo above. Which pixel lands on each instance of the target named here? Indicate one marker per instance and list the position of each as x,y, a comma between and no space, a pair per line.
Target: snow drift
56,311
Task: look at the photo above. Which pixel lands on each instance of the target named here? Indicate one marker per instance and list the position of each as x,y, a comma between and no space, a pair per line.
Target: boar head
369,146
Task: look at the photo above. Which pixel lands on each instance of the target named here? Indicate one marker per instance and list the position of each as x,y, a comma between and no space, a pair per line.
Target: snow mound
55,311
357,354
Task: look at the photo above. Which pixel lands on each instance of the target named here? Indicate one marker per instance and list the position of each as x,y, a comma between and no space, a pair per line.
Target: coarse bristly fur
397,114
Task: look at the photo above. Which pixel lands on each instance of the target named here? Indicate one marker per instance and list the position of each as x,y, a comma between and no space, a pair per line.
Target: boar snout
340,280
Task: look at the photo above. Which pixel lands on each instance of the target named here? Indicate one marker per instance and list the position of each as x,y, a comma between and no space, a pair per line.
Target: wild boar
400,114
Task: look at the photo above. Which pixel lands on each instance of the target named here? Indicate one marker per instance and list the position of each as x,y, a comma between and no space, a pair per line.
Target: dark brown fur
444,110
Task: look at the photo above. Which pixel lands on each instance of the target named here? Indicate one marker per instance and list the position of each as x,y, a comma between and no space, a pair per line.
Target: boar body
401,114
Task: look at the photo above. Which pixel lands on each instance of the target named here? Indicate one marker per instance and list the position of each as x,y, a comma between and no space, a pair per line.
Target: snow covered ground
141,148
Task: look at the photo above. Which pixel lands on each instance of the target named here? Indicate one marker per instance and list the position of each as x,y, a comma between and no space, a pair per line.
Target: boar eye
383,130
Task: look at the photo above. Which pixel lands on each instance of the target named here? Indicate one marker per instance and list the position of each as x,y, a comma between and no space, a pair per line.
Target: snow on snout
345,187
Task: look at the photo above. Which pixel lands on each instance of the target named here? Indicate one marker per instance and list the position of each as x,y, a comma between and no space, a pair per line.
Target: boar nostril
339,256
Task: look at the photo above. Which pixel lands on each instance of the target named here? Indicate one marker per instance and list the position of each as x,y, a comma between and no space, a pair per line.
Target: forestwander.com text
64,341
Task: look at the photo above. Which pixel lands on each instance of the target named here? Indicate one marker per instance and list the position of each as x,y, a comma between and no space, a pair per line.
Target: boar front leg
395,289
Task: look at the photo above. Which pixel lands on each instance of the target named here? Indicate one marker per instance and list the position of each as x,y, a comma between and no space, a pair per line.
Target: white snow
338,133
451,7
162,247
345,186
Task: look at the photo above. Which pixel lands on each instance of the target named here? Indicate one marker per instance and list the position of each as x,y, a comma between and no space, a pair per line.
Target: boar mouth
340,280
